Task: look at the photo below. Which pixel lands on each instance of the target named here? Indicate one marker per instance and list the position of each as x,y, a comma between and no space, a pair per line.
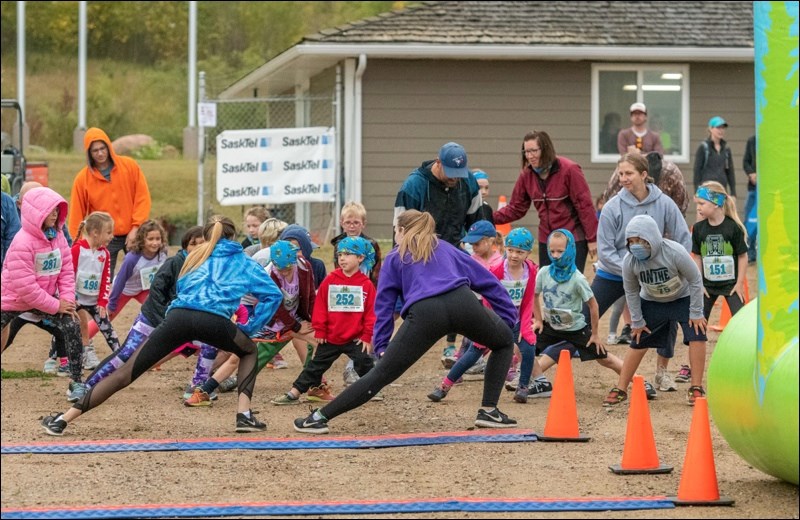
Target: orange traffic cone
505,229
698,485
725,314
562,416
640,455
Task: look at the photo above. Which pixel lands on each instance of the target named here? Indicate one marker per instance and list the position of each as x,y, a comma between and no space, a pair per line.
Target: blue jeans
473,354
751,240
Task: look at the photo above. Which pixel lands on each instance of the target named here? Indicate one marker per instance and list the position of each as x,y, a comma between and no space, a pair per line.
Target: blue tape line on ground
355,508
267,444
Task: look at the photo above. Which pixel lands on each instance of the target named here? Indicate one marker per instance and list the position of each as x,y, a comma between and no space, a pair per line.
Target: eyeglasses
532,151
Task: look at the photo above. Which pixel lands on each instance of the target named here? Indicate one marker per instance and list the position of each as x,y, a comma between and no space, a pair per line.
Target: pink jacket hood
24,288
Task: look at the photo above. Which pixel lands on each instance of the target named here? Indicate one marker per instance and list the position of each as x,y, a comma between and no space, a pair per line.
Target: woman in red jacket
560,194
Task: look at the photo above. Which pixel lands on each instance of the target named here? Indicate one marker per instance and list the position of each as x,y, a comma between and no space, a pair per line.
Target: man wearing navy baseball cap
445,188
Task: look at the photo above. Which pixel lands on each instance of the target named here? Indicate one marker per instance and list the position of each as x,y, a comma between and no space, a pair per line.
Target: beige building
484,73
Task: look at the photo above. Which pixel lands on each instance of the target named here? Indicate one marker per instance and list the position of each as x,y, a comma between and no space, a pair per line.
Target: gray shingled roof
669,24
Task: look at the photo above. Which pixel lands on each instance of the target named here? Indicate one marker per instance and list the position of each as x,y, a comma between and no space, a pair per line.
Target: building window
663,88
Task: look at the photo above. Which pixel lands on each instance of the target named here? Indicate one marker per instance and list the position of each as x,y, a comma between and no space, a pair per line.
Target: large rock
127,144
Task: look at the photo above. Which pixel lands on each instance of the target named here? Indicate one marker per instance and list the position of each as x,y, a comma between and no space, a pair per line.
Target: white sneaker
50,366
611,339
90,361
664,380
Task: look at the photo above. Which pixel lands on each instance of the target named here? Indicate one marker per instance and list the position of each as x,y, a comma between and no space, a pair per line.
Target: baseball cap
638,107
480,229
716,122
454,161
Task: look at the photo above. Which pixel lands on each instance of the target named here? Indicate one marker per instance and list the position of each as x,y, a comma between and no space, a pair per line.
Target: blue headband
360,247
520,238
715,197
283,254
480,174
561,269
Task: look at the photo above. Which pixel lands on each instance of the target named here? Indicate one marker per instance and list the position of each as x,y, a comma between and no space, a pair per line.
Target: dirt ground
151,409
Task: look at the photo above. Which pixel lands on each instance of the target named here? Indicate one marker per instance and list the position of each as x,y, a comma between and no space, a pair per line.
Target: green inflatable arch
753,374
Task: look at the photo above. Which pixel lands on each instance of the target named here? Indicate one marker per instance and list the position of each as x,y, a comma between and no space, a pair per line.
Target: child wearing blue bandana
561,323
343,319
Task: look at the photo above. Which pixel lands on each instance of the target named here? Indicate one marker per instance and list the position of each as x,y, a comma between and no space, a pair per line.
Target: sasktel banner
276,166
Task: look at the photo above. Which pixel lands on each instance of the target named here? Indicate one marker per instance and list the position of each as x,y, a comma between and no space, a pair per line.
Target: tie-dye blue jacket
217,286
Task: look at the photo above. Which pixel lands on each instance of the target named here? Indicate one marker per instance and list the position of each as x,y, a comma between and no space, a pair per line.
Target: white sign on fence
276,166
207,114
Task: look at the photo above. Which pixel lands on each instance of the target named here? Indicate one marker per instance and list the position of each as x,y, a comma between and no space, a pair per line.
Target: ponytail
218,227
419,237
729,206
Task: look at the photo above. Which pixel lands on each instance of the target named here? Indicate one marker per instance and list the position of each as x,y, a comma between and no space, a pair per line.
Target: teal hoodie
218,284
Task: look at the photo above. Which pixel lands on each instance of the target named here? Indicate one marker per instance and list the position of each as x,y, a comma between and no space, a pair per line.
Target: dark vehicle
14,166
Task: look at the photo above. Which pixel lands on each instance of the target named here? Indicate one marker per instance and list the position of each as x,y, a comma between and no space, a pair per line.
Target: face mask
640,252
50,233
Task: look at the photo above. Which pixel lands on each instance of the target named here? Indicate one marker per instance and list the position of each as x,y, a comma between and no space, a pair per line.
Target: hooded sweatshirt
299,233
618,212
38,271
125,196
448,269
453,209
340,325
218,284
667,275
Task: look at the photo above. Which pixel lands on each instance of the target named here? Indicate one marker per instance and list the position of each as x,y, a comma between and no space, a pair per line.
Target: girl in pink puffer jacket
38,277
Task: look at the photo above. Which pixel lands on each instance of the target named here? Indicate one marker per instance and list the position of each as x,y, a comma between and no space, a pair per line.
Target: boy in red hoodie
343,318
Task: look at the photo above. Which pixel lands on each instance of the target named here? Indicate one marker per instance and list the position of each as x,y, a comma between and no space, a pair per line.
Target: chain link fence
272,112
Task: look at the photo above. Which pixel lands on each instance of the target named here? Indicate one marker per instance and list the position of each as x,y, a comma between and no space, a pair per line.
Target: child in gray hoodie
662,286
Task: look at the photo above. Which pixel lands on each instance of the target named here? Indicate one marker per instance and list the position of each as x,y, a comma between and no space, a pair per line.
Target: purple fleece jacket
447,269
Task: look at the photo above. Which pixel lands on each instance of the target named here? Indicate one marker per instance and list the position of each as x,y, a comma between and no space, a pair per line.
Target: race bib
515,288
559,319
658,290
345,298
88,283
48,264
718,268
147,274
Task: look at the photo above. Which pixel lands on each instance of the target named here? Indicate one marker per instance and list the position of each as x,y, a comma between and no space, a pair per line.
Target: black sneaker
246,424
439,393
311,425
624,336
493,419
54,425
540,389
650,391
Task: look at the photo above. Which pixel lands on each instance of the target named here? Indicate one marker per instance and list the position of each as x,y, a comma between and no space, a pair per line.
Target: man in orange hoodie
111,183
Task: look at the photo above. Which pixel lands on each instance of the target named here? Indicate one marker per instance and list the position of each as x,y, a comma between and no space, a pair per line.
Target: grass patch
27,374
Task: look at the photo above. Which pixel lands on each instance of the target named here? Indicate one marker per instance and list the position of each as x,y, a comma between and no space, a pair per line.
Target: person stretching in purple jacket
435,280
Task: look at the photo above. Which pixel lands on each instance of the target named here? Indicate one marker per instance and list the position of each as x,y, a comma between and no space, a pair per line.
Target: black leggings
734,303
64,328
180,326
425,323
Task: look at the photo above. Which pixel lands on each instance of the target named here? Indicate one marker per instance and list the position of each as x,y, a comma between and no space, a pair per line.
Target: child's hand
102,312
705,292
319,341
365,347
537,326
636,332
698,325
67,307
594,339
738,289
305,328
